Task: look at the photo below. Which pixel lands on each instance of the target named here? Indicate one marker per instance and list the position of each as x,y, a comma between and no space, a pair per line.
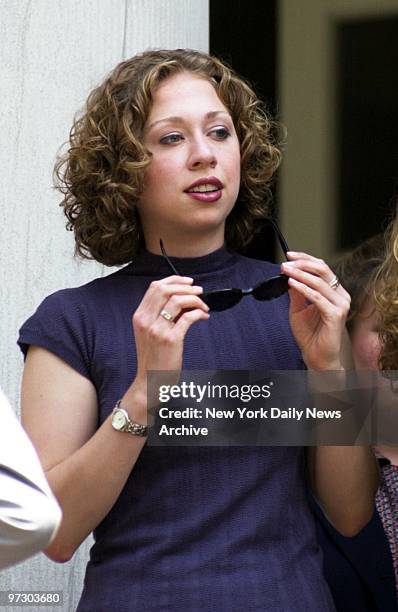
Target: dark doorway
244,35
367,103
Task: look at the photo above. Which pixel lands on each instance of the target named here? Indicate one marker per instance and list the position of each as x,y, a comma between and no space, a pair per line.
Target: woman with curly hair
174,146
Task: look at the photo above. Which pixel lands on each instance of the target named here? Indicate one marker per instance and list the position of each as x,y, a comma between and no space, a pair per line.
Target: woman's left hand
317,311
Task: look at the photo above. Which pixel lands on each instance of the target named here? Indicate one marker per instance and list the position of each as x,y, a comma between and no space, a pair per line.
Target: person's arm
88,467
344,479
29,514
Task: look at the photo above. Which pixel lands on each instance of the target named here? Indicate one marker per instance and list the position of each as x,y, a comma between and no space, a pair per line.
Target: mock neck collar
150,264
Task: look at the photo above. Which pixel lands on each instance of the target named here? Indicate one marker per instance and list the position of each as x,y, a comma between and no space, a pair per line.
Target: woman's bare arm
344,479
85,468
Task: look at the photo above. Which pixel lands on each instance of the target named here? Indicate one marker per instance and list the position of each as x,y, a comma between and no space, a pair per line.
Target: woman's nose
202,154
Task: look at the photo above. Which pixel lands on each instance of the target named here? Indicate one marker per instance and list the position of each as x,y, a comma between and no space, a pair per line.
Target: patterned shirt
387,507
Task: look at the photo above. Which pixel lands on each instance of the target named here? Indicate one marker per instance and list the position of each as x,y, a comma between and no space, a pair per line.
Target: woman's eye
171,139
221,133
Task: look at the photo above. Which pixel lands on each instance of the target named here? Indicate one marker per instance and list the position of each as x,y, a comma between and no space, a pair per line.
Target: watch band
132,427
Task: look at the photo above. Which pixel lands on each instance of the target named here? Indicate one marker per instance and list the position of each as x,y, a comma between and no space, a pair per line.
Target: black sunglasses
222,299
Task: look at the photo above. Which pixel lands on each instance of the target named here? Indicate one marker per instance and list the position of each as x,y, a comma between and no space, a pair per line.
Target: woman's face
193,180
364,338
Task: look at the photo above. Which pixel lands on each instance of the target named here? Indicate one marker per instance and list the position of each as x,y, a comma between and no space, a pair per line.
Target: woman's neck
184,246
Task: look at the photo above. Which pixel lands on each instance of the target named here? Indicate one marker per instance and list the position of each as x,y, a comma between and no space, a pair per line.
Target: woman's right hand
160,342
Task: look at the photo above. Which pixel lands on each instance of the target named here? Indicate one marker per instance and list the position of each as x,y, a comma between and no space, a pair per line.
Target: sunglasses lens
272,288
221,300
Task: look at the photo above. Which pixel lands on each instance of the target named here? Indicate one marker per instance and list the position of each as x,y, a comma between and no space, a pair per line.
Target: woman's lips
206,189
205,196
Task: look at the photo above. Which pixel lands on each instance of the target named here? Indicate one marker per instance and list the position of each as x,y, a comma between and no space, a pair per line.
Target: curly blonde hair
386,300
101,176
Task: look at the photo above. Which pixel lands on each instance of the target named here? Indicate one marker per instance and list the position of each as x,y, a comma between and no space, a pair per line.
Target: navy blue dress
195,529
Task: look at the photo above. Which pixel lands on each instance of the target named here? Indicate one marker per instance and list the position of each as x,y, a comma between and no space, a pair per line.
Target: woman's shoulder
73,313
93,290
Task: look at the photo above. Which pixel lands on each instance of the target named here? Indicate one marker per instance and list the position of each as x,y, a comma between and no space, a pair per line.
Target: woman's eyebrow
176,119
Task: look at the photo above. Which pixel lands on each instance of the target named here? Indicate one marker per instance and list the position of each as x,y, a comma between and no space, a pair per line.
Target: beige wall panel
307,101
51,53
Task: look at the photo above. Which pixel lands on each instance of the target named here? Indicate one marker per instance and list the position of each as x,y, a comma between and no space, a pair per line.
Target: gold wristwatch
122,422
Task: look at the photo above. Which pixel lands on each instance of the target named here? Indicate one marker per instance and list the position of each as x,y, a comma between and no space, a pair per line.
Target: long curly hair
386,300
101,176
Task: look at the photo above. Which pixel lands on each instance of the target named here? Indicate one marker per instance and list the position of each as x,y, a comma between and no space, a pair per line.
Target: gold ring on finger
166,315
334,283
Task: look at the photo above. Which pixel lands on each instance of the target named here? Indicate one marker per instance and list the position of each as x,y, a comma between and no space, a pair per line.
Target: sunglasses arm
170,264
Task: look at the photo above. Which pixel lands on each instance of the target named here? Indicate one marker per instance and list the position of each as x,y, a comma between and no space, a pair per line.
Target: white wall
52,53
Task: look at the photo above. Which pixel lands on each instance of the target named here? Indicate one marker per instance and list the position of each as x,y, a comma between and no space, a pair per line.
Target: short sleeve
61,326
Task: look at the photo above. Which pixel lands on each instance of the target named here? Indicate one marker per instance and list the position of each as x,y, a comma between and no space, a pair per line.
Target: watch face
118,420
